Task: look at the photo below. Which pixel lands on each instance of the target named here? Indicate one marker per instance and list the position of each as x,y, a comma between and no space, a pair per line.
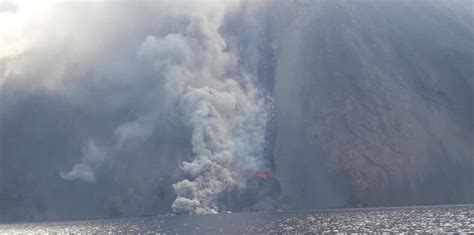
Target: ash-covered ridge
375,103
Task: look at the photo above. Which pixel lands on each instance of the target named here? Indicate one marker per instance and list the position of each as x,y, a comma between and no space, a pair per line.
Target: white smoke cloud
168,63
93,156
220,104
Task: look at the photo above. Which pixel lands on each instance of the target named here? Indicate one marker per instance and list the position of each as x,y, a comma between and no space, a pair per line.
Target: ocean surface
458,218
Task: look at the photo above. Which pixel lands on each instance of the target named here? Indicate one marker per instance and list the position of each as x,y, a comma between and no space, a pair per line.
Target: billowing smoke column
222,107
203,87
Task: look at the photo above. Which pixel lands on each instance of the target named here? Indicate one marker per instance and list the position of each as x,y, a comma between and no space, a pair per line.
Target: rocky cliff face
375,103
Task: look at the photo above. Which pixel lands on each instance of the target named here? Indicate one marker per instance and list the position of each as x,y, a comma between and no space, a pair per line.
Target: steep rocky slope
375,103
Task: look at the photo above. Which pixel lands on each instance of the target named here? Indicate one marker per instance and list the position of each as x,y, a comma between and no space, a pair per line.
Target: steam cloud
220,104
193,81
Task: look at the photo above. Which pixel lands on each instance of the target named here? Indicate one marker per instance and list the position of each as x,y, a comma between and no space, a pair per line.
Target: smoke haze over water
122,108
167,67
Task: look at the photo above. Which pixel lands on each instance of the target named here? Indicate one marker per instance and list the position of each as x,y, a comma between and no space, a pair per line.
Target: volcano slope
374,103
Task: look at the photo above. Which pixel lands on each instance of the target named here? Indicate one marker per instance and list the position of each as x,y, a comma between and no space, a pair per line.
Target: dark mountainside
375,102
373,106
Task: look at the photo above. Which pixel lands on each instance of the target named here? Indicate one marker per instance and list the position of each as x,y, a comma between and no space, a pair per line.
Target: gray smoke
193,81
219,103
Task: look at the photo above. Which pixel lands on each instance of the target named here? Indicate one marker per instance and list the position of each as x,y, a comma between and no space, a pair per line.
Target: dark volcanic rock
381,93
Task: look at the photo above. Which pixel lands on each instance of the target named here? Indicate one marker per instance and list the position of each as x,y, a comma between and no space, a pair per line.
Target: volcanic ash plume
220,104
166,71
